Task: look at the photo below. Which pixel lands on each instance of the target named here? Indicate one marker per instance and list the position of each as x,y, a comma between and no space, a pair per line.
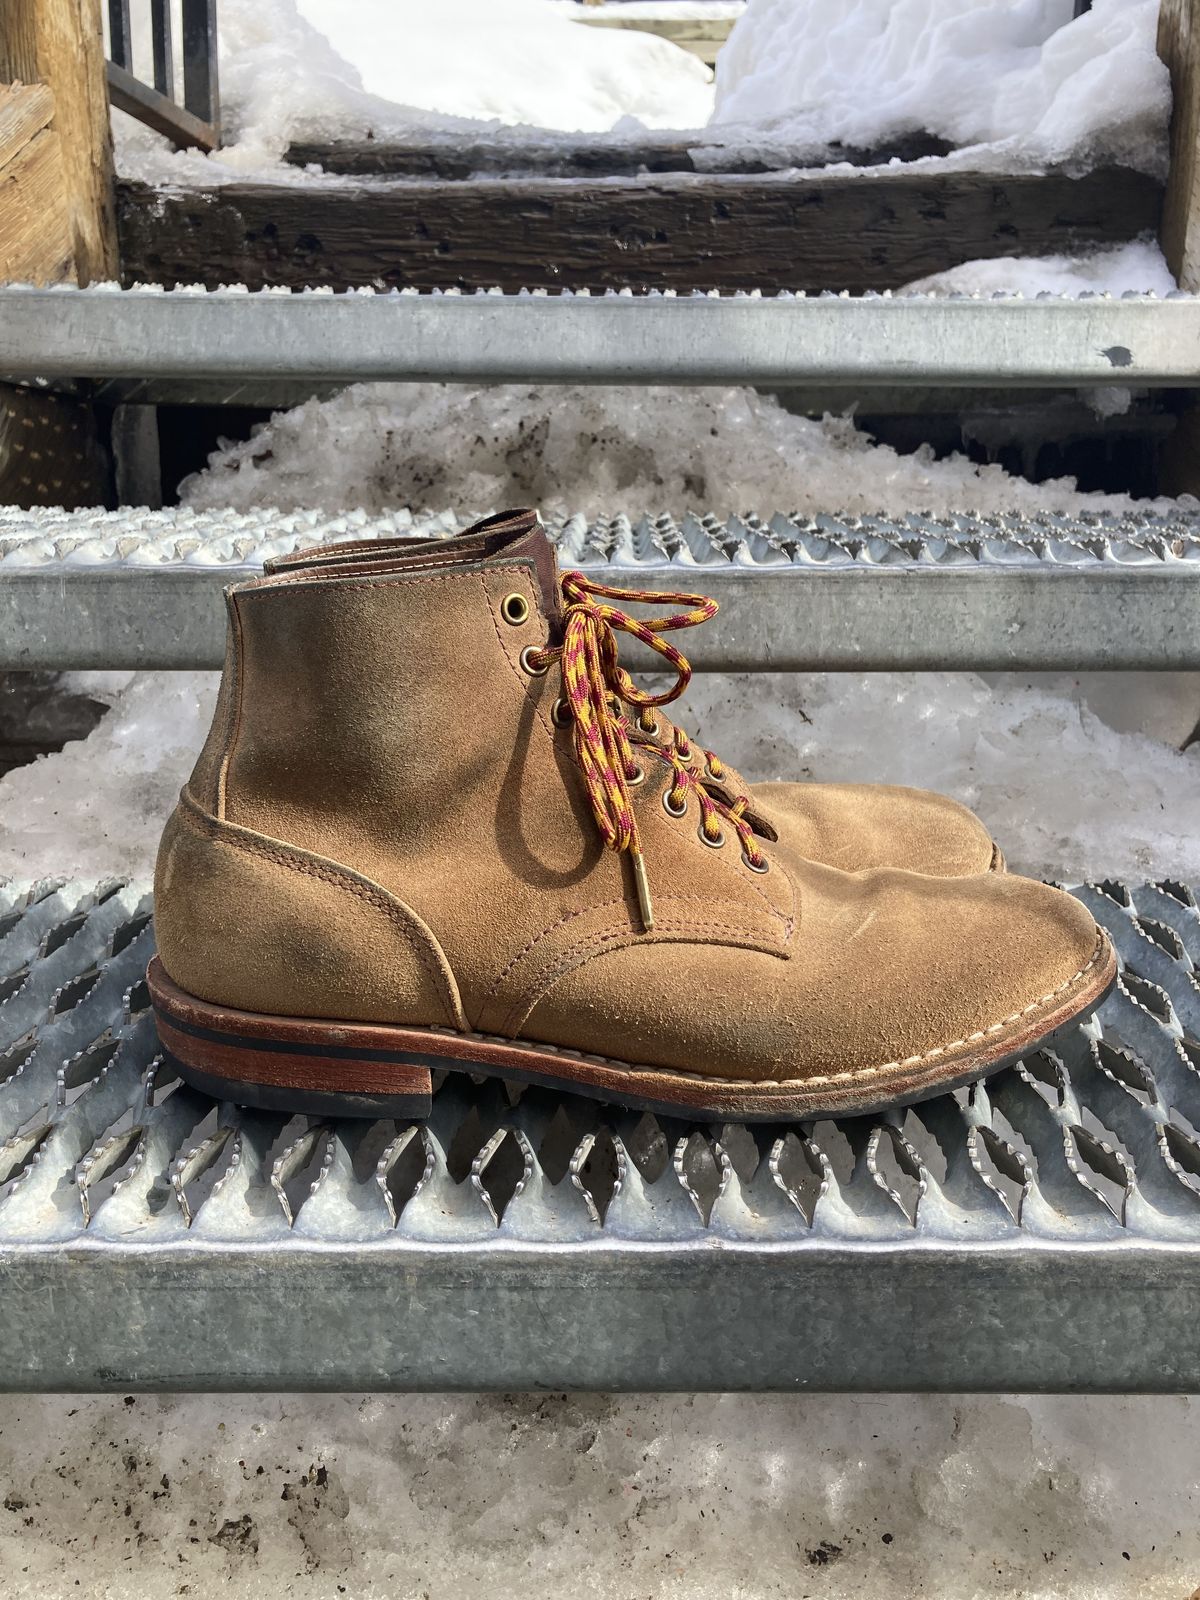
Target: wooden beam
59,43
25,109
673,231
57,223
35,236
513,153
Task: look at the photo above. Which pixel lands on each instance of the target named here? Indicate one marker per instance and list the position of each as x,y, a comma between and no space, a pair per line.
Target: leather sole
364,1069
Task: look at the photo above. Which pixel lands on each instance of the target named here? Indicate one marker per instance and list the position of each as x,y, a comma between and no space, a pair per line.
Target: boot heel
337,1069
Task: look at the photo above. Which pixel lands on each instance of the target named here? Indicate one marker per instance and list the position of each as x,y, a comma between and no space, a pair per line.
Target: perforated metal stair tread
141,588
1042,1232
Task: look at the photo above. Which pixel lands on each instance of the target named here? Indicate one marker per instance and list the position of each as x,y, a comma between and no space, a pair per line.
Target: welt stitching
857,1074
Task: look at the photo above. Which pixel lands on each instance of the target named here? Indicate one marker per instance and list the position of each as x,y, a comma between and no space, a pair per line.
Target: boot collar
505,536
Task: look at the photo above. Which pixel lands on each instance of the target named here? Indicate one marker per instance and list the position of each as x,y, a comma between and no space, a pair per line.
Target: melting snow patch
1136,268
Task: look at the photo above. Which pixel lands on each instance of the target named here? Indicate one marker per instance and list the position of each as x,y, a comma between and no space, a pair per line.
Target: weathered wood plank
698,36
1179,47
25,109
677,231
59,43
18,42
35,234
512,153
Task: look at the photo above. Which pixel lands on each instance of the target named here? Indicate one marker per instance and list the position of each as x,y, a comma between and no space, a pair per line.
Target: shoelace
597,686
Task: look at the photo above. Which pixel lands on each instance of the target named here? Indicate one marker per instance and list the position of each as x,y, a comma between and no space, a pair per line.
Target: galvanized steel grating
141,588
136,538
149,1236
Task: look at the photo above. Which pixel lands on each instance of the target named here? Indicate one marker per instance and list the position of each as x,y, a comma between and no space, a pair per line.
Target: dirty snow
598,449
497,1497
1018,83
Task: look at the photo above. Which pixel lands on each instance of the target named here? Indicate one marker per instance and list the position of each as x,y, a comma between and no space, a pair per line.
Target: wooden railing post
1179,47
57,225
60,43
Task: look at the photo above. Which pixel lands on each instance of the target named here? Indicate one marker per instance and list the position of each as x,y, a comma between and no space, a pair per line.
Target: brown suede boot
854,826
419,836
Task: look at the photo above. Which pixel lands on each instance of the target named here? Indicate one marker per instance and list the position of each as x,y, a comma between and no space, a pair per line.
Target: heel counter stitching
233,714
412,930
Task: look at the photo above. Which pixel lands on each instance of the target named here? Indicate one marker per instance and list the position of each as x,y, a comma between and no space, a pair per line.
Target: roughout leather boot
419,836
853,826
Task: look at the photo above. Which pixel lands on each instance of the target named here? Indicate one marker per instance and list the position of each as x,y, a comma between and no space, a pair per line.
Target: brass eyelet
756,866
639,776
717,777
528,665
713,844
673,811
514,608
560,713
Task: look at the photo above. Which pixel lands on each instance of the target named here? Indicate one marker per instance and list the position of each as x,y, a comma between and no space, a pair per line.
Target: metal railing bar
161,40
200,92
120,34
165,116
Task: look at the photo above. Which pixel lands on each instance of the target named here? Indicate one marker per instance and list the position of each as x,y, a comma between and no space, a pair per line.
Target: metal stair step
1042,1233
142,336
137,588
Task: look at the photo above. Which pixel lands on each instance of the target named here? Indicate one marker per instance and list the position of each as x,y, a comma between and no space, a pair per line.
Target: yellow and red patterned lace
597,686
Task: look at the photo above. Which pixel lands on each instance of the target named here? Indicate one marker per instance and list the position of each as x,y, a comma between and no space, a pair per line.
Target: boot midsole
348,1060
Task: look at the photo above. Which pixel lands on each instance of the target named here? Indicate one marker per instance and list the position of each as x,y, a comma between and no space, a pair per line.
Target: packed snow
1018,81
379,446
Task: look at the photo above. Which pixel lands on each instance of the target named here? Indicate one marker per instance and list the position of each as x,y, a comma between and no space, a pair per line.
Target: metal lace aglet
645,904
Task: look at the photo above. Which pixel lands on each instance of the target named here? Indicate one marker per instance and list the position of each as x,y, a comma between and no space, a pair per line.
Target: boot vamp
858,827
885,968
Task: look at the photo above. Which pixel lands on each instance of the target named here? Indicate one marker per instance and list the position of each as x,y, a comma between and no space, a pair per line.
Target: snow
398,69
662,10
1136,268
498,1497
598,449
1017,81
1067,795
